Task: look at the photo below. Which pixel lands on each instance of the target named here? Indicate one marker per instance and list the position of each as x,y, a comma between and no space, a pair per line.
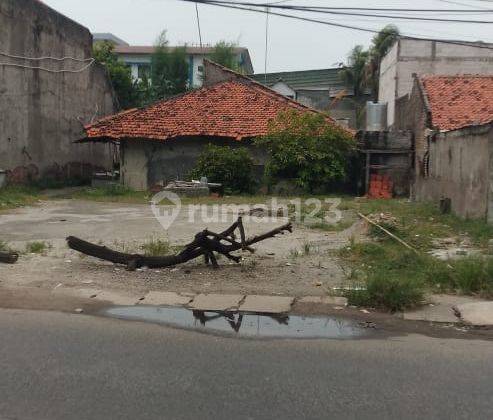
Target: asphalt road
60,366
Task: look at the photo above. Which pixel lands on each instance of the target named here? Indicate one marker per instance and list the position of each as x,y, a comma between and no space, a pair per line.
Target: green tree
231,167
119,72
363,67
307,148
355,72
169,69
224,53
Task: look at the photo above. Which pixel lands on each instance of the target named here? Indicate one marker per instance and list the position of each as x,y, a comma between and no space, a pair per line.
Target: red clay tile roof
459,101
237,109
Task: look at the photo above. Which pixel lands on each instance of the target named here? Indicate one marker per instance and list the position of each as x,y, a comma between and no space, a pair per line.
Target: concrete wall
215,74
41,112
460,163
409,56
145,163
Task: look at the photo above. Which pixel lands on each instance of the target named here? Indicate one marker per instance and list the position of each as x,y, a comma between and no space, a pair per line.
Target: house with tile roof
322,89
451,118
162,142
408,56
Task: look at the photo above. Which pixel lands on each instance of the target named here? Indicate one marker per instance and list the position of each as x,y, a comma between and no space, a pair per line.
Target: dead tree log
8,257
205,244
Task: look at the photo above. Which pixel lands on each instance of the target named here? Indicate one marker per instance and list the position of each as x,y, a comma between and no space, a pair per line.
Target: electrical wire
80,60
344,13
49,70
339,25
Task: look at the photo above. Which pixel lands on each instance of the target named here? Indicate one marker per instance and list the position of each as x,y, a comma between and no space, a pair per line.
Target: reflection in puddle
242,324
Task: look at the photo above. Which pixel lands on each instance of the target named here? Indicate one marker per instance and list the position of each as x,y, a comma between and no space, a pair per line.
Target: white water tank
376,116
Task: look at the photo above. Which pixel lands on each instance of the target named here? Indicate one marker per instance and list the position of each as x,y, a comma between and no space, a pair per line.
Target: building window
200,69
144,71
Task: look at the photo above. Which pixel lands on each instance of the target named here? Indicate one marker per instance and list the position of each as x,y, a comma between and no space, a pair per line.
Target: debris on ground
9,257
205,243
452,248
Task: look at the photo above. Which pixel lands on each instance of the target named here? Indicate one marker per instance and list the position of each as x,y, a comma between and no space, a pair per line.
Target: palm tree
354,73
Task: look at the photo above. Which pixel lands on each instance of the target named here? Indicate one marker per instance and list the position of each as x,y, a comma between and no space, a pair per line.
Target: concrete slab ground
325,300
477,313
118,298
84,293
166,298
439,309
215,302
267,304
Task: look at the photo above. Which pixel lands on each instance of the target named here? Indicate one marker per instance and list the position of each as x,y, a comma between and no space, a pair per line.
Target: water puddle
242,324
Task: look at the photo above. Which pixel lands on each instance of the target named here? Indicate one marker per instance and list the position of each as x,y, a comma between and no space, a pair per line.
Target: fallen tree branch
8,257
205,244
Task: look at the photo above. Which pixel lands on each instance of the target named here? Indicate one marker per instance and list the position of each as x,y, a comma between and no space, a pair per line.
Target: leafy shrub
306,148
233,168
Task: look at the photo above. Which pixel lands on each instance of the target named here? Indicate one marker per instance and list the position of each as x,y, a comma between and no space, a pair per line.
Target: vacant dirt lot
294,264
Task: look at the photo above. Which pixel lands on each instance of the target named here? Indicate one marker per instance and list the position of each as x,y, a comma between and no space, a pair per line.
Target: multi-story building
139,58
420,57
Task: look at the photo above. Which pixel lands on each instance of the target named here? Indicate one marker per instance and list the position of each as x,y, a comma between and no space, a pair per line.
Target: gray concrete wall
459,169
145,163
215,74
41,112
409,56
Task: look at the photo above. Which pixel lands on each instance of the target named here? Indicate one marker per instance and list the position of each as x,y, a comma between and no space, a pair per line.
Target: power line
339,25
377,9
344,13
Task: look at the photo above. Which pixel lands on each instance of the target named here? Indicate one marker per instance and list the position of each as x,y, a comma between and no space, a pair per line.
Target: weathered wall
215,74
459,169
387,85
411,114
41,112
145,163
409,56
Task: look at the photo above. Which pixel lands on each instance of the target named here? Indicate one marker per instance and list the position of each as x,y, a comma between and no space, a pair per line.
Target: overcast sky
293,45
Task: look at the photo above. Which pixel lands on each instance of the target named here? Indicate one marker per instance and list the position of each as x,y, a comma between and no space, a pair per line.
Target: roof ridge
267,89
460,75
110,117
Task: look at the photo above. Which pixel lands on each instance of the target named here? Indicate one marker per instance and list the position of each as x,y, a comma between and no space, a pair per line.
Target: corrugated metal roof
305,79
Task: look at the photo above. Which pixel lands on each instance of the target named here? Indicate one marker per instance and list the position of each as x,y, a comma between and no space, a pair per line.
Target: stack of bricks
380,186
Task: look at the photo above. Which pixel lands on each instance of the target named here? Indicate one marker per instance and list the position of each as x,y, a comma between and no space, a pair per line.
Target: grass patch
36,247
17,196
396,278
4,247
387,291
156,247
420,223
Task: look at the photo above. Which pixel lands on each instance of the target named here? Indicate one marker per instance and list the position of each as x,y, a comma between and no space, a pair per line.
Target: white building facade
139,58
